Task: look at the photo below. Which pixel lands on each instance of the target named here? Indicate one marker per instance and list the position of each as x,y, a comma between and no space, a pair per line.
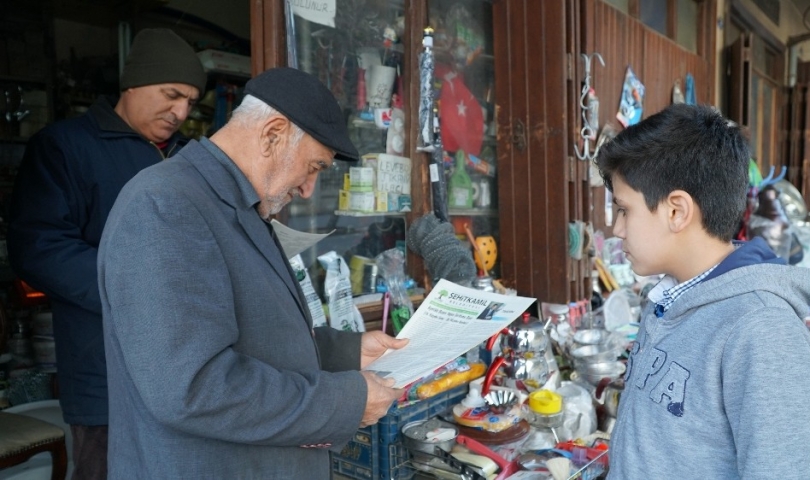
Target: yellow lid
545,402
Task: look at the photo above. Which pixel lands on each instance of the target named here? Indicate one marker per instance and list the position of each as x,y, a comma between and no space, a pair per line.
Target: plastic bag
580,414
391,266
343,314
631,105
312,298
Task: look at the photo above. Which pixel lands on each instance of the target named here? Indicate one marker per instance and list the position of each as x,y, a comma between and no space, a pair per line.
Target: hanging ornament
677,94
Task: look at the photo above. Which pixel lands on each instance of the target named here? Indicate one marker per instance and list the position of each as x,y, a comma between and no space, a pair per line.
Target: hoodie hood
752,268
752,252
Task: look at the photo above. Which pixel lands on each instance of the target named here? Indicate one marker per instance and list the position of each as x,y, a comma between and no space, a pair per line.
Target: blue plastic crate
377,452
358,458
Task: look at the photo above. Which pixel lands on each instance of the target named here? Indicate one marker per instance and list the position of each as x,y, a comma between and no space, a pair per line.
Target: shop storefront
478,122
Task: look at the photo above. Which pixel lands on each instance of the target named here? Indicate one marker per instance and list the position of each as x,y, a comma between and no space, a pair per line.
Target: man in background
68,180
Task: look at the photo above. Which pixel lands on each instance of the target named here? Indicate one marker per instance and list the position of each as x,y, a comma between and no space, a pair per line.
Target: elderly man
215,369
68,180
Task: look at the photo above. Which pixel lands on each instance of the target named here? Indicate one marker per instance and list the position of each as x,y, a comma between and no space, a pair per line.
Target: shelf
473,212
21,140
20,79
349,213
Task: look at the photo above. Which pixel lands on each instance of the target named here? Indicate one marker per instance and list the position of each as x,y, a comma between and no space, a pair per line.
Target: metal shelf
350,213
473,212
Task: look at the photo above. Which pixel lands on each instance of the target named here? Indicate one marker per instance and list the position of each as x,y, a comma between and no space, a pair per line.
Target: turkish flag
460,117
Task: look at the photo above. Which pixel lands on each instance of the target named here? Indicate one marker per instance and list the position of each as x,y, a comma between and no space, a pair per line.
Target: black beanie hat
158,55
307,102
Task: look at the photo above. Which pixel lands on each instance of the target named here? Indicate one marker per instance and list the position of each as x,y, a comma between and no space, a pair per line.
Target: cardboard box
225,62
361,201
398,202
344,200
361,179
381,203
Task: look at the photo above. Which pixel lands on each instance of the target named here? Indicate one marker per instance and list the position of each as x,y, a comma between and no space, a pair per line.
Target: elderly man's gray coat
214,369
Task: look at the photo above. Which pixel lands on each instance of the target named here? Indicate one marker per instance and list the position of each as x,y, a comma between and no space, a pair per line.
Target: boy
717,381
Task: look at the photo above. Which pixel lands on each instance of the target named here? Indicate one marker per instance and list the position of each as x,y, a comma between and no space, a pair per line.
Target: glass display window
465,89
356,50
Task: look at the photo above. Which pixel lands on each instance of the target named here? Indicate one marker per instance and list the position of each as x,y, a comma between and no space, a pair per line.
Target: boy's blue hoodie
718,387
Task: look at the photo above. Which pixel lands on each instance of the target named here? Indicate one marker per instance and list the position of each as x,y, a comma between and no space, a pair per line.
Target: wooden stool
23,437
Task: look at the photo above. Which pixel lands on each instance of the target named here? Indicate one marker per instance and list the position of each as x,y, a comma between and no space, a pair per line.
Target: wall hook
587,133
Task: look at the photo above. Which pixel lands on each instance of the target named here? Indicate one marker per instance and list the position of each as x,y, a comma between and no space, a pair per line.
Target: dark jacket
67,183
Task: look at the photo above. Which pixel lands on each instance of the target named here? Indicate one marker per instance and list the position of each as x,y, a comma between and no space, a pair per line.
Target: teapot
527,374
523,355
525,337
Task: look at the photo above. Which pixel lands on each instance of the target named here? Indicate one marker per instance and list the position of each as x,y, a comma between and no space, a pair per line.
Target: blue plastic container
377,453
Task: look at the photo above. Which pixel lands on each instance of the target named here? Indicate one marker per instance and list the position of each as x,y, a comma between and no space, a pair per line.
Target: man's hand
379,399
373,344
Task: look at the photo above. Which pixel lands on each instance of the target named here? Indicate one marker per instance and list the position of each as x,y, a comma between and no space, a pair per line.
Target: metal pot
418,439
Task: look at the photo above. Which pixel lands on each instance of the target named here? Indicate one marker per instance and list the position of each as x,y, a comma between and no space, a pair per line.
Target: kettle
523,355
525,337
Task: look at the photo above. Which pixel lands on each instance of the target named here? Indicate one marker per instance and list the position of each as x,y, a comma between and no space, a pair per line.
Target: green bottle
461,190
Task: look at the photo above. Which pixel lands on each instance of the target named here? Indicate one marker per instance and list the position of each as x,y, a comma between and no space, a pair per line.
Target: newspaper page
294,242
451,320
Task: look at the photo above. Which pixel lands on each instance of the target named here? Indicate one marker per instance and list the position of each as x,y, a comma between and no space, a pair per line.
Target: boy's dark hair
684,147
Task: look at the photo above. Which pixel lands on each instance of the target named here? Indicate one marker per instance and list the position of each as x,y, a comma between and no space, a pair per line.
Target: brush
560,467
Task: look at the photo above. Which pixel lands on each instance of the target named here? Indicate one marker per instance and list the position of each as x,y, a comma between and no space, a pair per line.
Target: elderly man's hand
379,399
374,344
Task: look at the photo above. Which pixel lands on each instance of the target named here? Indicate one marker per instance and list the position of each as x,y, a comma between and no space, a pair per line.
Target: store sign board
316,11
393,174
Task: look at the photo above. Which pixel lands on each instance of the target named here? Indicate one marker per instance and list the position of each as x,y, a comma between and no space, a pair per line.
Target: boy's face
643,233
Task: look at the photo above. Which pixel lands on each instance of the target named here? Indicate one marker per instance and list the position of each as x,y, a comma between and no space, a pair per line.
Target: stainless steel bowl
606,351
591,336
594,372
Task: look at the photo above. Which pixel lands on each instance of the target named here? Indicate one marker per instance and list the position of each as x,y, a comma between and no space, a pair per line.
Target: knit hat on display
158,55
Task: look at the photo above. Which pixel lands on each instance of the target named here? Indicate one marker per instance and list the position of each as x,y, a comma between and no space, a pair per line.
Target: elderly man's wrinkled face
292,172
156,111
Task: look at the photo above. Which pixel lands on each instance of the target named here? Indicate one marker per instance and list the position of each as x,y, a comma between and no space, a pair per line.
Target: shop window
754,84
677,20
653,13
687,24
357,52
621,5
766,60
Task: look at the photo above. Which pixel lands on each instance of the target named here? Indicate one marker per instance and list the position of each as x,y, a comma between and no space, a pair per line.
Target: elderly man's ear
274,133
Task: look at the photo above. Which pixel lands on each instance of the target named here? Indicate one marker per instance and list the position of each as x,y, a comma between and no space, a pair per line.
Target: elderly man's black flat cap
307,102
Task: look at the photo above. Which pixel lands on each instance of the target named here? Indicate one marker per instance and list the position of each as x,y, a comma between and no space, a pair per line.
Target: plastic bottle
473,399
461,190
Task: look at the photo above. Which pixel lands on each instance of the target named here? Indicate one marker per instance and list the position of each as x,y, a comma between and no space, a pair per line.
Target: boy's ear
681,210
